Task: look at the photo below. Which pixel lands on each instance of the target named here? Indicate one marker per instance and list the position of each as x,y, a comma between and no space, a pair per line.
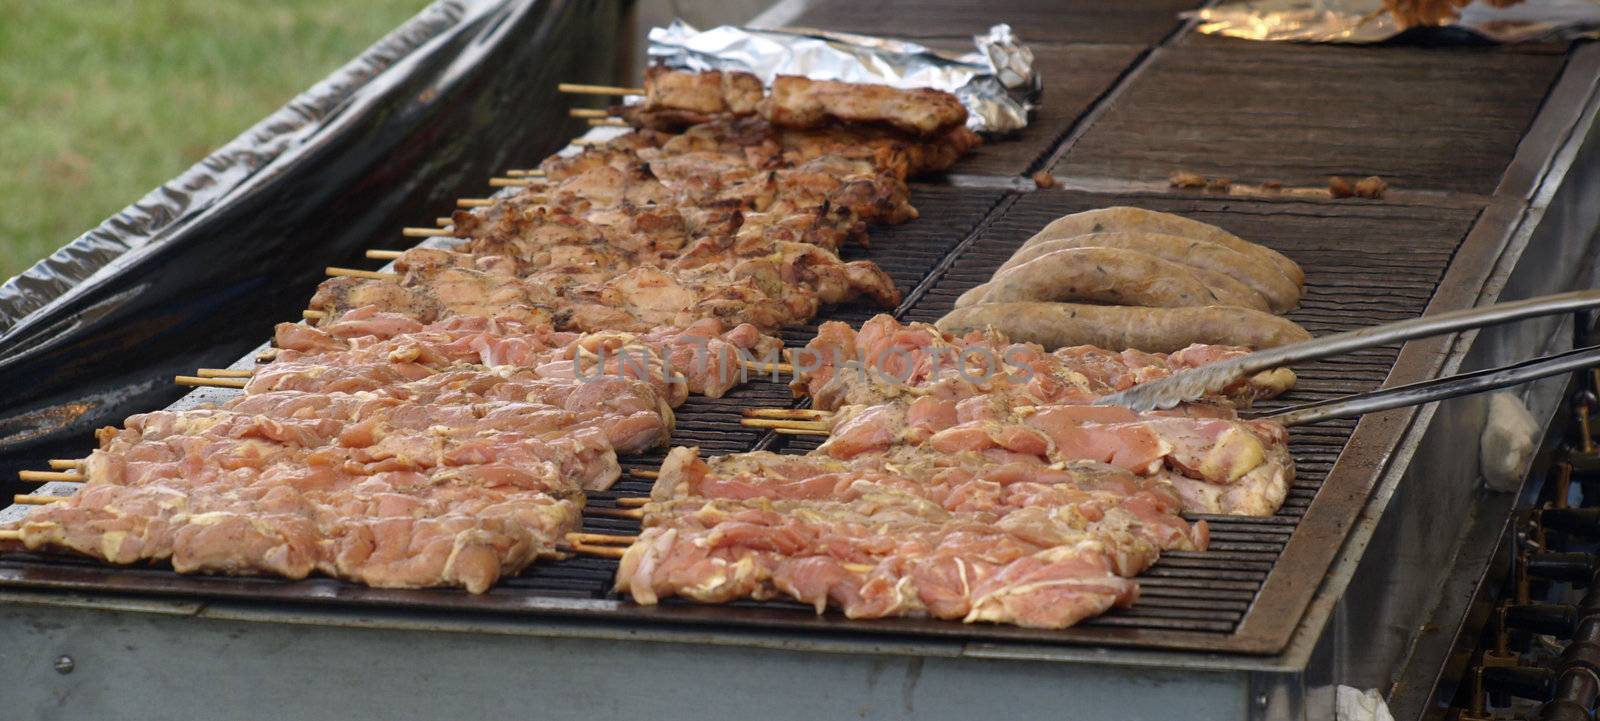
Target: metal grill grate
1384,260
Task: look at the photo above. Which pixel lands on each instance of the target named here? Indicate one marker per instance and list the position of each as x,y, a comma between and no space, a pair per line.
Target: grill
1188,600
1249,628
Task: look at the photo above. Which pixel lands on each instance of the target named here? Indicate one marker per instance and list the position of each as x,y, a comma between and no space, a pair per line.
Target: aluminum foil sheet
1366,21
998,82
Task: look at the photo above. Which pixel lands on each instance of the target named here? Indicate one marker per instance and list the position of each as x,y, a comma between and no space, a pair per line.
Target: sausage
1281,294
1153,330
1230,290
1222,289
1101,275
1125,218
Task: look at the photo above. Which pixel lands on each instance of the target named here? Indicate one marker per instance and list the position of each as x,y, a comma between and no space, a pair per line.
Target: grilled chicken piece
901,156
709,93
446,292
828,226
644,298
800,102
675,100
711,178
761,145
621,152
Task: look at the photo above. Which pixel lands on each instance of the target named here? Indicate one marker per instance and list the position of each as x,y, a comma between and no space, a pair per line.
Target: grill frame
1272,619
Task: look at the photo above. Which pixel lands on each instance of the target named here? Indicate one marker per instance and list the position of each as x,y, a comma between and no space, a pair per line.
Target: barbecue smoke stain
875,670
909,687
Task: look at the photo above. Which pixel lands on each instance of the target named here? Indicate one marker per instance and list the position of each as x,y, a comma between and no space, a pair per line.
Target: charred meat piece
800,102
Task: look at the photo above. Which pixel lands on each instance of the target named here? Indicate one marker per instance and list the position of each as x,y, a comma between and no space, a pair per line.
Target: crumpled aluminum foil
1366,21
998,83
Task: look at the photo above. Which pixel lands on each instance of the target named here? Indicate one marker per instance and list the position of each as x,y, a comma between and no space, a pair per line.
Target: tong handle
1438,389
1196,382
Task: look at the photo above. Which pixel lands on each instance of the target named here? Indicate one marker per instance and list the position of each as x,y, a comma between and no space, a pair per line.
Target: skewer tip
338,272
197,381
29,499
46,476
224,373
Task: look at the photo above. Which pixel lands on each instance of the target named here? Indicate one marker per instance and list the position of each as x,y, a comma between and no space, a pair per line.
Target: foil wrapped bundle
997,82
1369,21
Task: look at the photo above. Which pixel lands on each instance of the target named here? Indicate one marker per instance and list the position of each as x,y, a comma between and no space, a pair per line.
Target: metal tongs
1195,383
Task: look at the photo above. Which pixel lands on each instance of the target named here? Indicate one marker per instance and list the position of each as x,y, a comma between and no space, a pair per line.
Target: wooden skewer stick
785,423
790,413
424,232
28,499
514,182
444,222
768,367
224,372
474,202
586,142
385,254
607,122
633,502
45,476
588,113
799,432
10,535
62,464
534,173
646,474
196,381
313,314
598,89
368,274
615,512
601,551
601,538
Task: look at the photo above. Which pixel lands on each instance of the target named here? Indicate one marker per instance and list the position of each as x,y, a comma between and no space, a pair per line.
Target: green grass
101,100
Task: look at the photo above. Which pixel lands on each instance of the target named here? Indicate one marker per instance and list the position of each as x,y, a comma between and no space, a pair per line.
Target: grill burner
1539,656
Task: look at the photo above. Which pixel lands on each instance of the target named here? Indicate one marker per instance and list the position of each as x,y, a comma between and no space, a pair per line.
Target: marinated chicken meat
887,360
880,559
384,452
702,354
1091,496
1238,467
387,530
